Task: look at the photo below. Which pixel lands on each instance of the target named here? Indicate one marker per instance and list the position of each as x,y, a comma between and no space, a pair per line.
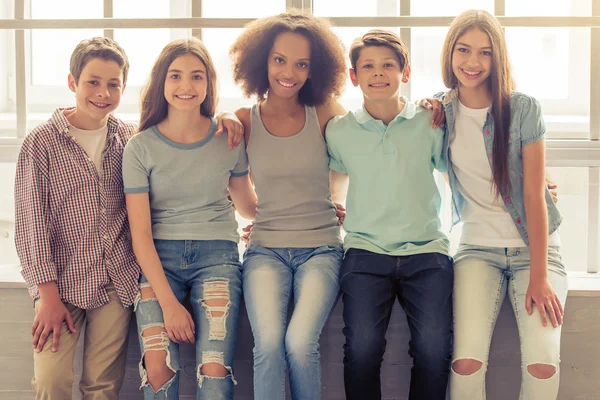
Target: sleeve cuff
144,189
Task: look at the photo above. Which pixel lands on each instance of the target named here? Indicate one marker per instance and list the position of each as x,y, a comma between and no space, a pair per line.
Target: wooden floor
580,367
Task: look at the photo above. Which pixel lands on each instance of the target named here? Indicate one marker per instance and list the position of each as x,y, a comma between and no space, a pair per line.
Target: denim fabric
204,269
271,277
483,276
370,284
526,126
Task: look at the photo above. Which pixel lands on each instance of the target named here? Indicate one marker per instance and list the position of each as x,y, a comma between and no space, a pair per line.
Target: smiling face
97,93
378,73
186,83
472,58
288,65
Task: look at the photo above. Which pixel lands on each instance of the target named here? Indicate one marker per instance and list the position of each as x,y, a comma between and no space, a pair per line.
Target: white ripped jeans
483,276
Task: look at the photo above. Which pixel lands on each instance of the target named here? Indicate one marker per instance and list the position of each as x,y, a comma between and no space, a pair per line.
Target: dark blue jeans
370,283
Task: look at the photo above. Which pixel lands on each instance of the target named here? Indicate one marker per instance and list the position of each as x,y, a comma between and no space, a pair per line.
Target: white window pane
141,8
218,42
426,70
66,9
356,8
547,48
242,8
8,253
548,7
435,8
573,205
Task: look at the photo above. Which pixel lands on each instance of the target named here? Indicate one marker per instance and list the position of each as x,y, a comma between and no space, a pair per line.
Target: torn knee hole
147,292
216,301
213,366
214,369
466,366
541,371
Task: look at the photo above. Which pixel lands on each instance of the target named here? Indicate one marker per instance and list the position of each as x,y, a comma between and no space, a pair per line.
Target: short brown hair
382,38
154,106
97,47
250,54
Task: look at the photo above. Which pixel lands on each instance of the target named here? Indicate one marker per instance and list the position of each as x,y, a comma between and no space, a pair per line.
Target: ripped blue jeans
204,270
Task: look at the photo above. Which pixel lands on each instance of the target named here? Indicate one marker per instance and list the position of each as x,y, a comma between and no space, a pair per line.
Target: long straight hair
500,83
154,106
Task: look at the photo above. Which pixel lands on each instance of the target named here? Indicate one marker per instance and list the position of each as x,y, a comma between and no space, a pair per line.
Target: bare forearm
339,186
537,231
152,268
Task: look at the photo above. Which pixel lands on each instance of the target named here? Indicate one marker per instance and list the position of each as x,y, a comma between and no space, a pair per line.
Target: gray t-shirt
187,183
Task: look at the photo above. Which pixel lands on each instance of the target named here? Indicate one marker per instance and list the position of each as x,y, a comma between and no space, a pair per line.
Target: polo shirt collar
410,109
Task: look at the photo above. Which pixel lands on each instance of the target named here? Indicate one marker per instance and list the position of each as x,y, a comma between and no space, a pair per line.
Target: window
552,63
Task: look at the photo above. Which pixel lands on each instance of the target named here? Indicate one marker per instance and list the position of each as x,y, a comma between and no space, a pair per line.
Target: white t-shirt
93,142
486,222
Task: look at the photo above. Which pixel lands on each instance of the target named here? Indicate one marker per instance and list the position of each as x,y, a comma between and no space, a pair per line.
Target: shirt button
103,210
519,221
491,156
487,132
508,199
105,237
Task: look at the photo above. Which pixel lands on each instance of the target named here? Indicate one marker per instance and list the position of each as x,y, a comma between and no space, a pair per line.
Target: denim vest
526,126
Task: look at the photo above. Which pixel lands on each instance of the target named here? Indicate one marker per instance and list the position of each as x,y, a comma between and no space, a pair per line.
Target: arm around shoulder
243,195
243,114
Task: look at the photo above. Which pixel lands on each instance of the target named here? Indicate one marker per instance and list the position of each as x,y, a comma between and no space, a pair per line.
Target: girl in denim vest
509,243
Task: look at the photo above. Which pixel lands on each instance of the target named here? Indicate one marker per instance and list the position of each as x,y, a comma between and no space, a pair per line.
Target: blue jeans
204,269
271,277
370,284
484,276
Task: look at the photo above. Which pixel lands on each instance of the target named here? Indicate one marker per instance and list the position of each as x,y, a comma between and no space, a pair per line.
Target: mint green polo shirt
393,202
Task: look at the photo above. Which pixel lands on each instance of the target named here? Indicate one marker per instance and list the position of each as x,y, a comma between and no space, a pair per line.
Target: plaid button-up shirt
71,224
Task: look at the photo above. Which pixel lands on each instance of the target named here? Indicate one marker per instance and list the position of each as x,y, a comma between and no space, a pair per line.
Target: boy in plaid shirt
72,233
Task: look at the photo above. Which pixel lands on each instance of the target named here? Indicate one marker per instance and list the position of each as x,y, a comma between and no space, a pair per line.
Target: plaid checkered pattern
71,224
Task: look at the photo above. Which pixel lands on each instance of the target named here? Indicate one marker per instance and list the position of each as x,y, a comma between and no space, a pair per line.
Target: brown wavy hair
250,54
154,106
500,82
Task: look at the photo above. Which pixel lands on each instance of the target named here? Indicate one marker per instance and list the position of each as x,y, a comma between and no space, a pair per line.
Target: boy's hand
247,231
552,188
438,117
49,319
340,212
228,121
179,323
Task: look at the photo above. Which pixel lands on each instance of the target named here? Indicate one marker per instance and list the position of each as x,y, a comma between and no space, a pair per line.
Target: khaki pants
104,354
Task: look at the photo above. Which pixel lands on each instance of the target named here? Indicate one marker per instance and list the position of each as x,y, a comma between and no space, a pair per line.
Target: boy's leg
105,349
368,292
53,372
316,290
426,295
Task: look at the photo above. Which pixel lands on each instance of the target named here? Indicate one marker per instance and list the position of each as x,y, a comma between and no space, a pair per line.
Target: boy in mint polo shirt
394,246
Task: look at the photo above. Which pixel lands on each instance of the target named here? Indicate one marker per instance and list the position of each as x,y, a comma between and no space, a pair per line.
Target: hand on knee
466,366
541,371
